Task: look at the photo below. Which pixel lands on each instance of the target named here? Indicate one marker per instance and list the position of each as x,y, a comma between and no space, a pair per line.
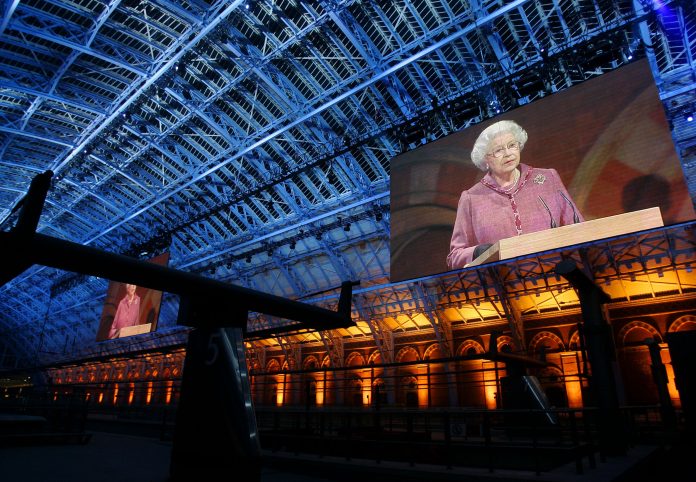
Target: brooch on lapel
539,179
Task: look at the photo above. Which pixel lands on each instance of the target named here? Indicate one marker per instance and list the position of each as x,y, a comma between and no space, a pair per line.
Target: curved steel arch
295,109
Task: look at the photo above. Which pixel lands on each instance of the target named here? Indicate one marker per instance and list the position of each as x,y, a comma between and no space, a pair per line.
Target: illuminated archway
550,341
375,358
408,379
310,382
274,385
325,382
326,361
634,360
432,352
635,333
407,354
435,380
355,359
310,362
273,366
470,347
505,344
683,323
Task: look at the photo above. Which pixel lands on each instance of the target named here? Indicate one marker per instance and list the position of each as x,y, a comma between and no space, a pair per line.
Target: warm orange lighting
671,386
101,397
320,393
280,393
366,389
573,383
168,392
115,393
131,393
574,391
148,396
490,384
422,387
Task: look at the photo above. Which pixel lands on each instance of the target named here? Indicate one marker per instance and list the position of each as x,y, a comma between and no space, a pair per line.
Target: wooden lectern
135,330
571,234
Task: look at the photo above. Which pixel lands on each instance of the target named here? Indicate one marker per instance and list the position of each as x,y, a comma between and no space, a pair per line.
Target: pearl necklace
514,183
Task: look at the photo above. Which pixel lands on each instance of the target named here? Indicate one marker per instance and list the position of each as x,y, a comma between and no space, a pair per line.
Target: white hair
483,141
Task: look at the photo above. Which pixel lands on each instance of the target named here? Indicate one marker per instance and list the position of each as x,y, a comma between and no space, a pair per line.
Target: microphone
553,222
480,249
576,218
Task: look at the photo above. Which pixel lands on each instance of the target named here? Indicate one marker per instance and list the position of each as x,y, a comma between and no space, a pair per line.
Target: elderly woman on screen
511,199
127,313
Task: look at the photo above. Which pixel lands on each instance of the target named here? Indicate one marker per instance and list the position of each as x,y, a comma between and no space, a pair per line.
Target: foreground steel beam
22,247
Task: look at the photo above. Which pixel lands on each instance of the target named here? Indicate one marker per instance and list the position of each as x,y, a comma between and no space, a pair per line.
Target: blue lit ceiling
252,139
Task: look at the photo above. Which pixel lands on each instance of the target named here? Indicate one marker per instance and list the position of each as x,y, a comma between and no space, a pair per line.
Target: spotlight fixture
688,115
346,228
248,259
292,245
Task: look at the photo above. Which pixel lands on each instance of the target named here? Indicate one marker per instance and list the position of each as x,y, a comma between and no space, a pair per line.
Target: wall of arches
149,380
420,375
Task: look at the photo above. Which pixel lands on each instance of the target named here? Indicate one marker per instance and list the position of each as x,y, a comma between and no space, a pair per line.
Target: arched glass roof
252,139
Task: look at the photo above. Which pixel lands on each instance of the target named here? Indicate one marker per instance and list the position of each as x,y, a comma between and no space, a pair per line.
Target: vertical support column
681,350
602,357
659,373
215,435
31,206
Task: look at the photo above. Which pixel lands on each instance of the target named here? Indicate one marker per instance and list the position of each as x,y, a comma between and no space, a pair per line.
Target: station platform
115,457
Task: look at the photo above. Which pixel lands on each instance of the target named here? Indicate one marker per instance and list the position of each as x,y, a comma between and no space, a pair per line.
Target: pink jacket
485,214
127,314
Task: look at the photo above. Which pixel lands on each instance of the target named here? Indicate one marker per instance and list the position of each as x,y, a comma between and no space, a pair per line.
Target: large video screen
130,309
598,149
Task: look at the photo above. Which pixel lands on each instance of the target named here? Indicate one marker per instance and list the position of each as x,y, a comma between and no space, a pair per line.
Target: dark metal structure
601,352
216,425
